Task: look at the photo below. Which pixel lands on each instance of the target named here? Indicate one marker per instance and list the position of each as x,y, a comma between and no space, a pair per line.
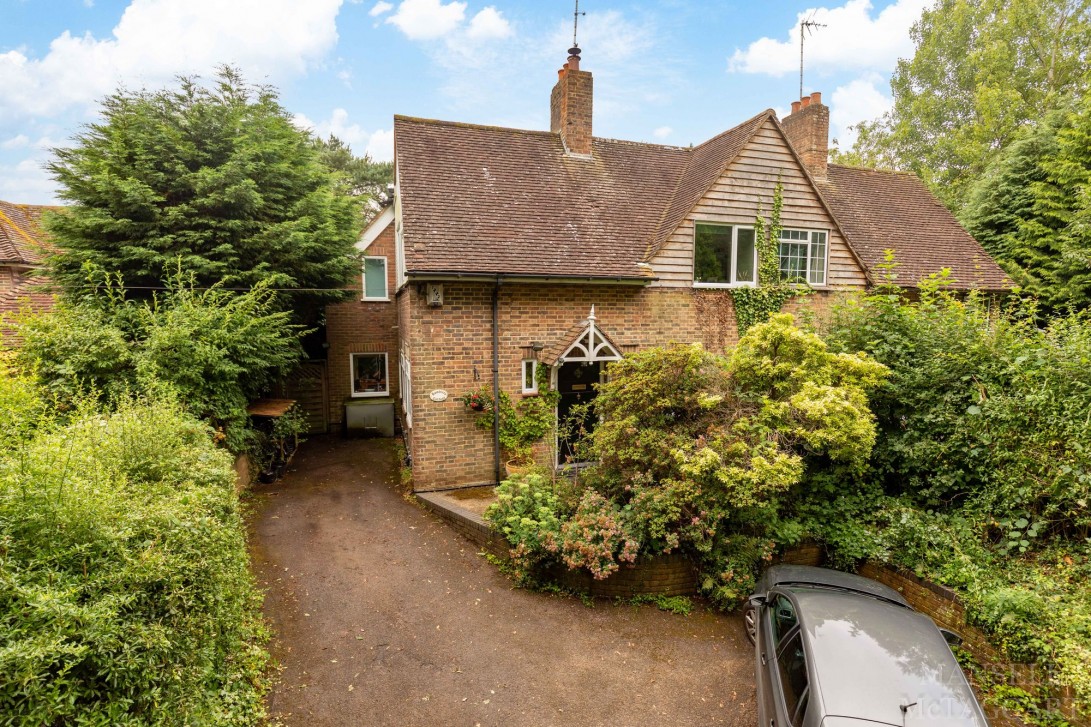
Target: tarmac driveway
386,616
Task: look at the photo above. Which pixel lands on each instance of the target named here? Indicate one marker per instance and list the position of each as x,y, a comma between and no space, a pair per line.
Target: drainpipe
496,379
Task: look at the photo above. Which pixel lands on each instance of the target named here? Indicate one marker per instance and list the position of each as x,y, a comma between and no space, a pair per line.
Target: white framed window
369,374
803,256
530,376
724,255
374,278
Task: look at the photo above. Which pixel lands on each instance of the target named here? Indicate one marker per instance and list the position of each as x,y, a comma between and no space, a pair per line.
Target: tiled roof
478,199
881,211
21,234
492,200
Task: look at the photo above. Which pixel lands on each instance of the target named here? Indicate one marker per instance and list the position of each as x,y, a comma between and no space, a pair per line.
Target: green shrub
212,349
125,595
527,513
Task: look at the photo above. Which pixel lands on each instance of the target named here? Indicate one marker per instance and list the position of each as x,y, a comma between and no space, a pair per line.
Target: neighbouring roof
492,200
22,240
880,211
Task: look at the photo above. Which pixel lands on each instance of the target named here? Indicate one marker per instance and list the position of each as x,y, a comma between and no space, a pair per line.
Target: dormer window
724,255
375,278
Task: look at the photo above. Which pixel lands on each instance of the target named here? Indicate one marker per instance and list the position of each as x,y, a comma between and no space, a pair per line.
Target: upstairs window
803,256
724,255
375,278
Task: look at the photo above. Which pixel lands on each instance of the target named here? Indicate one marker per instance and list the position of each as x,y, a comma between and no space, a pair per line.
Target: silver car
839,650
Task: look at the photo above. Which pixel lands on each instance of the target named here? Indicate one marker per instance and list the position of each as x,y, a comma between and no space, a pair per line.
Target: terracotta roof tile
881,211
22,240
478,199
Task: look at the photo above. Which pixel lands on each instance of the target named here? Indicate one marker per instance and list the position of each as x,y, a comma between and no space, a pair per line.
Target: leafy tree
361,176
1031,210
216,175
982,69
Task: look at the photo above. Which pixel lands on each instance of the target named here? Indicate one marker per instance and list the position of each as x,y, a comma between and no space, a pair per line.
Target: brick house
506,250
22,249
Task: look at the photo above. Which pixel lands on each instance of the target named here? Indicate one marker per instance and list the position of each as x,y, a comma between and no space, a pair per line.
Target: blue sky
667,71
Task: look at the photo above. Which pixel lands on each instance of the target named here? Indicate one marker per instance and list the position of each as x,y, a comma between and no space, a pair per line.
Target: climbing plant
755,305
522,424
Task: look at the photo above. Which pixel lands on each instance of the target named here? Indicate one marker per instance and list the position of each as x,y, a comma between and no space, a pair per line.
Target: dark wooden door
576,385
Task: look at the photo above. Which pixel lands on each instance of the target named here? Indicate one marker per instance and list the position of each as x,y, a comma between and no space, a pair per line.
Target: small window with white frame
374,278
369,374
803,256
530,376
724,255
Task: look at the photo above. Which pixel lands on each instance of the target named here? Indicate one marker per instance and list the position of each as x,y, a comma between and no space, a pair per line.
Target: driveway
386,616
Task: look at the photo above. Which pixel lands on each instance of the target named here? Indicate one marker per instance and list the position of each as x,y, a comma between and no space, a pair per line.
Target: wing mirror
757,600
951,637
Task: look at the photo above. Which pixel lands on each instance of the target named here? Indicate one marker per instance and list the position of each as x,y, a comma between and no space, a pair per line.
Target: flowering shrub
597,537
699,452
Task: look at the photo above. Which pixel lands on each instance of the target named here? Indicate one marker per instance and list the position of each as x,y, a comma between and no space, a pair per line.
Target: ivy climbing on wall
755,305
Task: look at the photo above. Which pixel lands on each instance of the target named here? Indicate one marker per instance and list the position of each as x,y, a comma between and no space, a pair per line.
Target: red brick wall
357,326
451,349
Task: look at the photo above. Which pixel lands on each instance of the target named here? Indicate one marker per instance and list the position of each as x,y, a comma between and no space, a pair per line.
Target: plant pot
518,467
477,407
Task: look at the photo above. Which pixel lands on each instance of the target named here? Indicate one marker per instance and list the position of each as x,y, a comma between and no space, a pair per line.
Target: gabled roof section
880,211
481,199
584,341
375,228
22,239
707,163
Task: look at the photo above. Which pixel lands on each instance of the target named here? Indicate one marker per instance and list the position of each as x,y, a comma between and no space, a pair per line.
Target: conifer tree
215,176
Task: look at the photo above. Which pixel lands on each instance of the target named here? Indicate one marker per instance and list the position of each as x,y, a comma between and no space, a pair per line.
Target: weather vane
576,23
804,26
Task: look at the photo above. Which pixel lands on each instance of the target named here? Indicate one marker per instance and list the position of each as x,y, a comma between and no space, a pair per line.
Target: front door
576,385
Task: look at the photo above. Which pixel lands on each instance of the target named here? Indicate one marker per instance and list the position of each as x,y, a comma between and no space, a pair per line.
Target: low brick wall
944,607
471,525
668,575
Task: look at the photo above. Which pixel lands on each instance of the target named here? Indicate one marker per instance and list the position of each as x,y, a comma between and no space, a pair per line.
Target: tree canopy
213,177
1032,212
360,175
981,71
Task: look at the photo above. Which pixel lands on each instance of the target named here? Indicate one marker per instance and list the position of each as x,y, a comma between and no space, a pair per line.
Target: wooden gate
308,385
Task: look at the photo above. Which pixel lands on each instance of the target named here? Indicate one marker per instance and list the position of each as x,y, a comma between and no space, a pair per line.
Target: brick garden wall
358,326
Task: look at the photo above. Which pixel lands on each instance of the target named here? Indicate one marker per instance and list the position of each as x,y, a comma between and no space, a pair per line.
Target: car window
784,618
793,676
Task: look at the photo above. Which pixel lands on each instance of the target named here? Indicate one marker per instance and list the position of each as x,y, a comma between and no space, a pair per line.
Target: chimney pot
808,131
570,106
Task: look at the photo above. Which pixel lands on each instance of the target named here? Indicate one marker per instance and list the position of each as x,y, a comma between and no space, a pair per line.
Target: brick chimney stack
570,106
808,130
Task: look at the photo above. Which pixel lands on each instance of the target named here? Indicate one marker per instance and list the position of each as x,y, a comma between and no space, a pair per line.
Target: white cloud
427,19
662,132
27,181
379,8
16,142
857,101
156,40
379,144
489,23
852,38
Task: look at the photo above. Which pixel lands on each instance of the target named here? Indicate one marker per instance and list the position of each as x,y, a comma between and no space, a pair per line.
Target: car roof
805,574
869,657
